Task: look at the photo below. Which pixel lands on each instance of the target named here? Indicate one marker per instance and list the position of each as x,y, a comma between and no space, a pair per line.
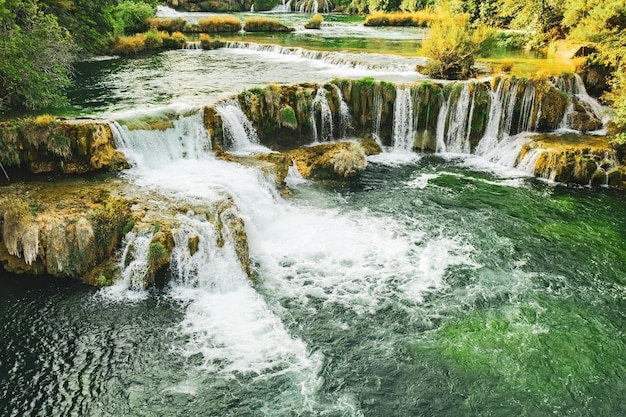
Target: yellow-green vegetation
45,145
151,40
420,18
216,24
315,22
452,45
169,25
265,24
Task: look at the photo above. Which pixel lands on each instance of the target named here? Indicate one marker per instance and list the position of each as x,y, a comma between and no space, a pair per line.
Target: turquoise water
499,295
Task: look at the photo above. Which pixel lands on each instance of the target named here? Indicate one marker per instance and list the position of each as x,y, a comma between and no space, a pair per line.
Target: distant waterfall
381,63
239,133
285,7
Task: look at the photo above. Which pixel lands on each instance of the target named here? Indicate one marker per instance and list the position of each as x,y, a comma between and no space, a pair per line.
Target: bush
216,24
452,46
315,22
170,25
420,18
264,24
129,45
153,39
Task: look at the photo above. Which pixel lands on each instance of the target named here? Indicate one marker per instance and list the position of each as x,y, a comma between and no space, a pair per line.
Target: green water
528,318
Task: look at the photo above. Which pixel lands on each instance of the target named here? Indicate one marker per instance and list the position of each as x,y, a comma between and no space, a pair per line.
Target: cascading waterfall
239,133
320,110
367,62
377,110
187,138
574,87
313,6
403,121
345,118
454,121
192,46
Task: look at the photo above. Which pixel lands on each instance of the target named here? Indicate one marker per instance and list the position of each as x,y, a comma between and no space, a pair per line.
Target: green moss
288,118
130,224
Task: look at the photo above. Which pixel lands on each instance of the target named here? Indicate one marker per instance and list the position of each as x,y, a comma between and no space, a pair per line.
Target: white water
320,110
307,254
369,62
239,132
285,7
403,121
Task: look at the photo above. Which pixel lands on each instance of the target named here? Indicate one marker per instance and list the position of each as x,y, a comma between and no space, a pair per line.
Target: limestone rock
69,147
59,231
333,161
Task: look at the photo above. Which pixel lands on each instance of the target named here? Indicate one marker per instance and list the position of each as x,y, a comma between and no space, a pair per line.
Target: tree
36,57
452,45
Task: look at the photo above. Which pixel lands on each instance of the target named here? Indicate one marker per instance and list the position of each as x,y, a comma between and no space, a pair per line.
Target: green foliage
36,60
130,224
131,17
453,45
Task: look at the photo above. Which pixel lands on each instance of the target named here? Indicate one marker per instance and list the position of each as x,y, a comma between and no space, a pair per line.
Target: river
431,285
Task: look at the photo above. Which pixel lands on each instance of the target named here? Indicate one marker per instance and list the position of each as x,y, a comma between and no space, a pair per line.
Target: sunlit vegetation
453,45
215,24
265,24
170,25
419,18
315,22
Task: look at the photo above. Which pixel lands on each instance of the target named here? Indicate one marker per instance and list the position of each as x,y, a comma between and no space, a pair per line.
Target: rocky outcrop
63,230
332,161
575,159
43,145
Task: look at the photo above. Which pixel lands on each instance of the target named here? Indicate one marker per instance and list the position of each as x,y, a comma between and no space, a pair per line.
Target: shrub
214,24
179,37
128,45
264,24
420,18
315,22
45,120
153,39
171,25
452,46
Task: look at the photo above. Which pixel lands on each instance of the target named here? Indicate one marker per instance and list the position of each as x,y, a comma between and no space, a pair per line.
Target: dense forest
41,38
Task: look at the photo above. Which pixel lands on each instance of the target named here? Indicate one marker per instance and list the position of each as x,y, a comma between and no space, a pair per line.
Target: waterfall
359,61
377,110
186,138
403,121
454,121
192,45
574,87
345,118
285,7
320,109
239,134
313,6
